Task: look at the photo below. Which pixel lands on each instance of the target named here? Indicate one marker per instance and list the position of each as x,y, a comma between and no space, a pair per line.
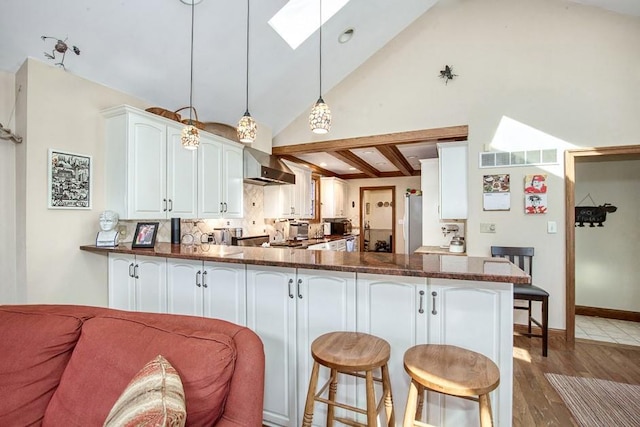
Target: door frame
621,152
393,214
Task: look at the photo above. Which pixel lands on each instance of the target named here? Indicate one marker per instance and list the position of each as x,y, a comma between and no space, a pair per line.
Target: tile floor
609,330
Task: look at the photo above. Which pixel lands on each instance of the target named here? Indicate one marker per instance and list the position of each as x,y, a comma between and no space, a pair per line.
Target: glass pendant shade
320,117
247,128
190,137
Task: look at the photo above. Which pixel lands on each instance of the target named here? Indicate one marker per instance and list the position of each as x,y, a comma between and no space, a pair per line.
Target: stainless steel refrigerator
412,227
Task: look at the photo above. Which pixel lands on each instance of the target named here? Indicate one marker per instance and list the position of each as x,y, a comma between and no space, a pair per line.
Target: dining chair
523,258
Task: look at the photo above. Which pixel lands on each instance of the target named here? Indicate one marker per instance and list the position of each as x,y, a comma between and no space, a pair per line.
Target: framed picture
145,235
70,180
496,192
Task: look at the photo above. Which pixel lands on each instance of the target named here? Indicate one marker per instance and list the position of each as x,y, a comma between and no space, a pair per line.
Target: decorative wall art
70,180
496,191
592,214
535,194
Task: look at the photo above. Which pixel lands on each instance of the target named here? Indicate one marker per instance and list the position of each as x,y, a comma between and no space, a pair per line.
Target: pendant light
320,117
190,136
247,127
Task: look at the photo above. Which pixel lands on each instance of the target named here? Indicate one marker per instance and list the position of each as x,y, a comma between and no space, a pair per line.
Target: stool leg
486,420
545,327
418,415
412,400
308,407
372,410
333,388
388,396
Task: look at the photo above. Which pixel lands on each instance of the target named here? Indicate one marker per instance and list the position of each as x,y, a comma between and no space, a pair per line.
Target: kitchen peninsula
291,296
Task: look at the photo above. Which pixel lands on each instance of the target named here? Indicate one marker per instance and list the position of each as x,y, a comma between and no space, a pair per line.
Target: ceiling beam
351,159
314,168
394,155
446,134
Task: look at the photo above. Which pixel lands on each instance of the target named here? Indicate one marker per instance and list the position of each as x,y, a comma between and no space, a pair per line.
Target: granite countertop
303,244
437,266
437,250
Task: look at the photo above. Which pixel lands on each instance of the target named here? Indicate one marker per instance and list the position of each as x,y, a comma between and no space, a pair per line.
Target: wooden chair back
520,256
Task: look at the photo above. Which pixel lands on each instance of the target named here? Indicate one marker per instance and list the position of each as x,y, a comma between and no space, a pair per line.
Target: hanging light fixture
247,127
190,136
320,117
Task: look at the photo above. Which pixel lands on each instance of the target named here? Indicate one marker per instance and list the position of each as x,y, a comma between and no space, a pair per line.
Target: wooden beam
453,133
394,155
351,159
314,168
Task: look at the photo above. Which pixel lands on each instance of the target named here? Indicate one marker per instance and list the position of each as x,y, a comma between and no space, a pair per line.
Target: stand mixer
456,244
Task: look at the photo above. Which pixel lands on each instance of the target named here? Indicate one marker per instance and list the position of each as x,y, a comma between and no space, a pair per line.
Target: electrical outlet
552,227
487,227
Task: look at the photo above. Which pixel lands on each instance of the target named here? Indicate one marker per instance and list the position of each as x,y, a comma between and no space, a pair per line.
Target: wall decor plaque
70,180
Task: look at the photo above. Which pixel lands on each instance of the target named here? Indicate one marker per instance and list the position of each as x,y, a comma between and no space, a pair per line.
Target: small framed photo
145,236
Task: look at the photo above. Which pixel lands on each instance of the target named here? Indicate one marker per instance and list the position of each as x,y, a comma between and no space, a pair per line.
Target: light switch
487,228
552,227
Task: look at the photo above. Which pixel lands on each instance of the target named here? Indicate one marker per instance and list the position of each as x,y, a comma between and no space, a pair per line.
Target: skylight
298,19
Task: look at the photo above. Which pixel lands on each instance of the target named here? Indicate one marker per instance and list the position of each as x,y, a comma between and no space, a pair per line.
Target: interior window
315,198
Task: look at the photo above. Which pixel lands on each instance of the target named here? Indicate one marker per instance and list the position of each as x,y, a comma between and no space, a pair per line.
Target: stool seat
449,370
350,350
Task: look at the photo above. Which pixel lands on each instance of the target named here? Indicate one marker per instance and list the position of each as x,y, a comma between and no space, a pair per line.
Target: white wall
62,111
8,291
544,73
607,267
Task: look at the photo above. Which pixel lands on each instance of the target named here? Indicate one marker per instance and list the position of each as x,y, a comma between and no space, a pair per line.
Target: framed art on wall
496,192
70,180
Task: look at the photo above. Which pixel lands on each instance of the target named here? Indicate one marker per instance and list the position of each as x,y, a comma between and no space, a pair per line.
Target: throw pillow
153,398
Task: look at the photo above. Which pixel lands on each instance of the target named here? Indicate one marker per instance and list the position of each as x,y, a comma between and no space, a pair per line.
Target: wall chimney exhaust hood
261,168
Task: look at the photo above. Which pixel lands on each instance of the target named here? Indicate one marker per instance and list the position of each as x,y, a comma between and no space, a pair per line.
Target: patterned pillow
153,398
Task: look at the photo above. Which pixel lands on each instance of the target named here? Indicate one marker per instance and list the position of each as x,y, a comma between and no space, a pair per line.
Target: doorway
571,157
377,219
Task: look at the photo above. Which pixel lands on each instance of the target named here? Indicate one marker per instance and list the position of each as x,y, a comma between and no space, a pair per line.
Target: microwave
341,227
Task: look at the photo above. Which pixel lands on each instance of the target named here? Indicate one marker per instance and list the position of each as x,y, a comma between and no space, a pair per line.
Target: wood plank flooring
536,403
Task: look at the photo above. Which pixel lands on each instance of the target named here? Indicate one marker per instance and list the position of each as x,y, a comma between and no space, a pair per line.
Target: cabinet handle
198,278
164,201
299,283
131,270
421,308
170,205
289,285
135,272
434,294
225,206
221,207
204,280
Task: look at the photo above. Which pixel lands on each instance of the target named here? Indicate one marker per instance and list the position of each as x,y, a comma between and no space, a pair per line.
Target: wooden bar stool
450,370
358,355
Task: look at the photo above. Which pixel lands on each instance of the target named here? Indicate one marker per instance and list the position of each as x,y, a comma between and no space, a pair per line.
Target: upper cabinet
290,200
333,197
149,175
453,169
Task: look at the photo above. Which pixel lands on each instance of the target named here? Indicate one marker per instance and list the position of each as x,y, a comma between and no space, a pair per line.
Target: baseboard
608,313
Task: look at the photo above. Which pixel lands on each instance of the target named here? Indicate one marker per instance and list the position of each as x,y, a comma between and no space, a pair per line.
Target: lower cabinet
138,283
288,309
209,289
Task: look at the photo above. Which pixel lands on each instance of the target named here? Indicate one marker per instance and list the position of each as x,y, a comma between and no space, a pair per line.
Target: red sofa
67,365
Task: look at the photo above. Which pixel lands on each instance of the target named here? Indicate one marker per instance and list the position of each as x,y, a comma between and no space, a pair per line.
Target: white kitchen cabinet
148,173
288,309
220,187
333,197
476,316
290,200
393,308
208,289
137,283
453,169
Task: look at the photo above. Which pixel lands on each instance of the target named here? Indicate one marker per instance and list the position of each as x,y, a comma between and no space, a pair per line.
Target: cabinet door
182,177
151,284
209,178
147,168
184,287
233,189
326,303
271,312
394,309
225,295
469,315
340,198
303,193
453,180
121,281
278,201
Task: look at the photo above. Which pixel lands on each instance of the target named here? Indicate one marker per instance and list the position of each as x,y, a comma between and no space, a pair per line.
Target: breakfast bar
289,297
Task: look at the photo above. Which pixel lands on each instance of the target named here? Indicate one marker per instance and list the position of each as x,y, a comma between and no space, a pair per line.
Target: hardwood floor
536,403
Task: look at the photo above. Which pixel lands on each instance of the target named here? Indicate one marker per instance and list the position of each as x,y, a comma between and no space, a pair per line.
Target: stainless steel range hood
261,168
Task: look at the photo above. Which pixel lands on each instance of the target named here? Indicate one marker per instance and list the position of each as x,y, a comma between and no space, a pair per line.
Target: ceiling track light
247,127
190,136
320,117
